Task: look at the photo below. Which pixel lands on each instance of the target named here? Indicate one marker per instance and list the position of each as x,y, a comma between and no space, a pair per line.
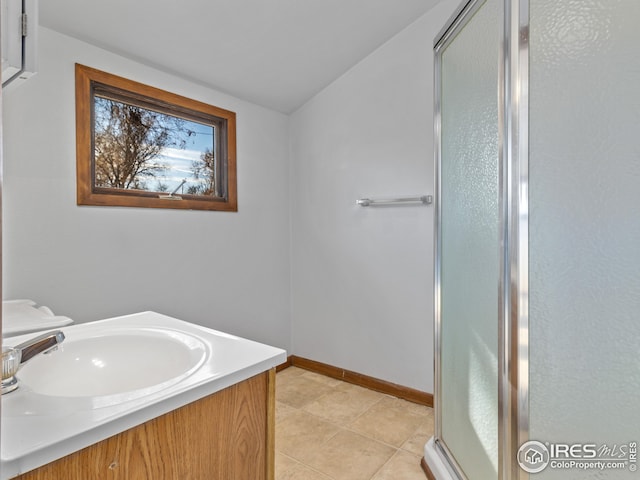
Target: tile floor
327,429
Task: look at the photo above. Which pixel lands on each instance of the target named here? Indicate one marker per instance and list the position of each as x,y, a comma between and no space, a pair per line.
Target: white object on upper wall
23,316
19,39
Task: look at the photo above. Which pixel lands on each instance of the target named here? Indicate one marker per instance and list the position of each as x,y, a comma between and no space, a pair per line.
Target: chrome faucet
44,343
14,358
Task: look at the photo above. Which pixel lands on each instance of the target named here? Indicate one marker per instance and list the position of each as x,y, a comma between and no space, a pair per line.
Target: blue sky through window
180,161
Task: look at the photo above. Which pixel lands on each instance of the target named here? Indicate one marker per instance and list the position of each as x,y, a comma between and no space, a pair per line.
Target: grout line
298,462
367,410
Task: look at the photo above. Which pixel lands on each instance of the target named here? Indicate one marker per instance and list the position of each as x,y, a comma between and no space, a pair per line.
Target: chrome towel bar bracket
370,202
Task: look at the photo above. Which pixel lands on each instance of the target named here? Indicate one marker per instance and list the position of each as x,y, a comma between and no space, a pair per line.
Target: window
138,146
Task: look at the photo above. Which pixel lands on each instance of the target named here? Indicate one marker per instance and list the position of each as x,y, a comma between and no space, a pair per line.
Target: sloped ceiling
275,53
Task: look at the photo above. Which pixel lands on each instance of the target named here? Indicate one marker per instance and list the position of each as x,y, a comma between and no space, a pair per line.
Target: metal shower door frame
513,287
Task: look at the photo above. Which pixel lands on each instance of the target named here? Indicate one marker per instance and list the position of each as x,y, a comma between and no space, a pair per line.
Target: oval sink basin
127,363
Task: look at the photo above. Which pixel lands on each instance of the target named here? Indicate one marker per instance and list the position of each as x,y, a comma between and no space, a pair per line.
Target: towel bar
367,202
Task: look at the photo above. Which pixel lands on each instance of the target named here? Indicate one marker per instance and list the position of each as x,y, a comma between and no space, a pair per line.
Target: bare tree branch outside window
204,170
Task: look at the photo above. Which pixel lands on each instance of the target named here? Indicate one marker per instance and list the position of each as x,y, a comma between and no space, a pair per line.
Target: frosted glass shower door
468,243
584,211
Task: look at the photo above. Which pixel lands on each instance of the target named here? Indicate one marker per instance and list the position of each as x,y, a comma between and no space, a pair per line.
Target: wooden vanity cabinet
228,435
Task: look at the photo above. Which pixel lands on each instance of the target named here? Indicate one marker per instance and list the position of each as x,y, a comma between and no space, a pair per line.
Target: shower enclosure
537,285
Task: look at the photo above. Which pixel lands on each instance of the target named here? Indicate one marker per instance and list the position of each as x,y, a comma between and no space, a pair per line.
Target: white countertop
38,429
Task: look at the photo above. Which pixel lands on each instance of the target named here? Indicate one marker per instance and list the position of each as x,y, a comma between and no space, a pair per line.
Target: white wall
362,283
229,271
299,266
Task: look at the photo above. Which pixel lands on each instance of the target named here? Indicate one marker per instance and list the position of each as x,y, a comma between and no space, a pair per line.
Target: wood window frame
88,80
